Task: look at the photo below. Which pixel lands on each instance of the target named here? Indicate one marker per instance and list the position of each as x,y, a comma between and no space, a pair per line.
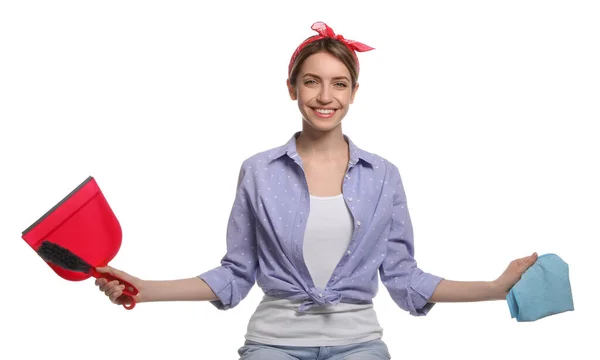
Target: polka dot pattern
266,230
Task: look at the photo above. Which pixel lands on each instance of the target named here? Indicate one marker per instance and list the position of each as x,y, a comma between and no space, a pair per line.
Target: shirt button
358,223
348,252
349,199
321,295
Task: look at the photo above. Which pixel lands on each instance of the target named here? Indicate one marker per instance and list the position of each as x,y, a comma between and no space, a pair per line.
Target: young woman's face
323,90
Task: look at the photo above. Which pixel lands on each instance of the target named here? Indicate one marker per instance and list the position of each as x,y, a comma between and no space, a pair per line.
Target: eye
341,84
310,82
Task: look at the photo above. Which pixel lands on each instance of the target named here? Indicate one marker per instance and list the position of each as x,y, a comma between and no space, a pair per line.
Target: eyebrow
318,77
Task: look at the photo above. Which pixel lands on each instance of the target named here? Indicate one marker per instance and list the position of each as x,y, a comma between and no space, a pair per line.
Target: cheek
346,98
304,96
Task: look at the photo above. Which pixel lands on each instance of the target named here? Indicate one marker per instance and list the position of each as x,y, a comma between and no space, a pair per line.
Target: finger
124,299
101,281
114,300
109,285
117,289
111,289
115,297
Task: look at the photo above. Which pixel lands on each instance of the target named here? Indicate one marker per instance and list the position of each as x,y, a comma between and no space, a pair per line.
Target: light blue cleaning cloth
543,290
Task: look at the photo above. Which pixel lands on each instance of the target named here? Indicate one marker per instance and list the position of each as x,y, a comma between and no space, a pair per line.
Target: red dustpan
84,226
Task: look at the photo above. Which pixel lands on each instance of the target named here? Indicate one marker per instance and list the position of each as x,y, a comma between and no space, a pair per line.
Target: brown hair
333,47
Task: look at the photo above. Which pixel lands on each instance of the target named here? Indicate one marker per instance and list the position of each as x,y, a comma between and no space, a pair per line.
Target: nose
324,96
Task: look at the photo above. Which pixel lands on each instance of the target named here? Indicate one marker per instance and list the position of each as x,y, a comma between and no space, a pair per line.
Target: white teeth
324,111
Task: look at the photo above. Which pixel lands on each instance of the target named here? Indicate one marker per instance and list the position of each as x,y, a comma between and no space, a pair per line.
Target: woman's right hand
114,290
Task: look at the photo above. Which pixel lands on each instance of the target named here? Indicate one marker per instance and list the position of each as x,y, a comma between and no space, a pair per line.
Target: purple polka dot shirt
266,230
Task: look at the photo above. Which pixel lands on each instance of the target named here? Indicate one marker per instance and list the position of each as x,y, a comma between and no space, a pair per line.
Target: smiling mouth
324,113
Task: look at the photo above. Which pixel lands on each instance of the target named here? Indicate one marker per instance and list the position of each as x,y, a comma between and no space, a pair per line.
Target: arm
410,287
466,291
417,291
469,291
192,289
224,286
234,278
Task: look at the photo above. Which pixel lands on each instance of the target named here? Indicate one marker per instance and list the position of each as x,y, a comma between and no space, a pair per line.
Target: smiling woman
323,77
324,91
314,222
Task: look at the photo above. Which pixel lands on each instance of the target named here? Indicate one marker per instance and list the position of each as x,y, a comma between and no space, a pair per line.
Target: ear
353,94
291,90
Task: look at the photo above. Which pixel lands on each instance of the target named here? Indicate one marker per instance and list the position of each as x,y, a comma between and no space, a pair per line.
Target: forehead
324,64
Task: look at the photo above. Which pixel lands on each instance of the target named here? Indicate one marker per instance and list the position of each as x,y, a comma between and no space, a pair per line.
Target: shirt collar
290,150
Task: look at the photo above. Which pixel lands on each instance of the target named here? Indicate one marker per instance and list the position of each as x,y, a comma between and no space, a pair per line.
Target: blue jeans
370,350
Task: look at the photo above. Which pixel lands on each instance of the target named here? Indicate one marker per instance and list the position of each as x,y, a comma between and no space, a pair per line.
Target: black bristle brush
66,259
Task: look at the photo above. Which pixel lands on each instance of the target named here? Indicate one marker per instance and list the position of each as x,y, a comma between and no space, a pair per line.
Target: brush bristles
62,257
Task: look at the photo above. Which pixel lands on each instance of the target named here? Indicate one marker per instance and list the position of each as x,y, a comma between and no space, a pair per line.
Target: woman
313,223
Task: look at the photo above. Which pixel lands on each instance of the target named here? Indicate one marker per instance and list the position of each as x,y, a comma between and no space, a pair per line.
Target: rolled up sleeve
410,287
234,278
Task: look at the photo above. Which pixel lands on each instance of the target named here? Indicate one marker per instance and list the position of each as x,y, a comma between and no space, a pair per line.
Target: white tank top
276,321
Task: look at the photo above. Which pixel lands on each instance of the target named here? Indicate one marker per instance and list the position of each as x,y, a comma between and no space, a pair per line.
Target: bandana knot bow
325,31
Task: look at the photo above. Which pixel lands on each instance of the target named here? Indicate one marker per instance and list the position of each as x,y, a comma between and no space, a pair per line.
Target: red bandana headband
327,32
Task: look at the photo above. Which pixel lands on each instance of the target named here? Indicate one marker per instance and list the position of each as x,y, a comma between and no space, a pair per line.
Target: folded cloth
543,290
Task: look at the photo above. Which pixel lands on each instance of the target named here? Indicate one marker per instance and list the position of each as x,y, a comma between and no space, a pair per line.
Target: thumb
527,259
530,260
119,274
105,269
112,271
533,257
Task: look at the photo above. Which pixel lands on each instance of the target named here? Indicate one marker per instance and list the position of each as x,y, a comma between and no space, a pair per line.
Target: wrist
497,290
144,292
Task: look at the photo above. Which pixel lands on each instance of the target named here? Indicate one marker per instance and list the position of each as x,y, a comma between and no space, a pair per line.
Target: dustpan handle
129,290
132,297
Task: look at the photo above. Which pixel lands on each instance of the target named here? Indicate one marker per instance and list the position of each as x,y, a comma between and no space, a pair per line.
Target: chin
321,125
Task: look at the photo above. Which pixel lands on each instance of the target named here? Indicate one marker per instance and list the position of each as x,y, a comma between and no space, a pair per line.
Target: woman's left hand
513,273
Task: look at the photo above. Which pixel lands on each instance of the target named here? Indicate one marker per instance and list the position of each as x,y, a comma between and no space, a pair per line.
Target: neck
322,145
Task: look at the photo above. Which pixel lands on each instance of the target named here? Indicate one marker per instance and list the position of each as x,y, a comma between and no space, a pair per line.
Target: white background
489,109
